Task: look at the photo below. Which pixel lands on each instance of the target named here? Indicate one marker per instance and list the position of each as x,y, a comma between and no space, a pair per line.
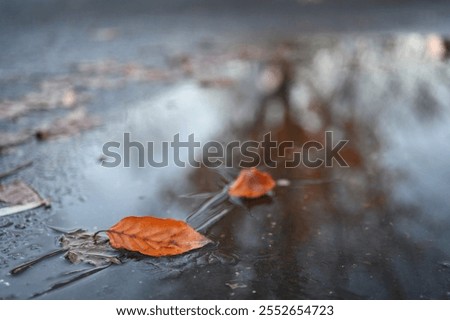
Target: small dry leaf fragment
136,72
18,192
8,139
216,82
437,47
12,109
21,196
154,236
6,211
251,183
235,285
52,94
110,73
82,247
69,98
101,67
73,123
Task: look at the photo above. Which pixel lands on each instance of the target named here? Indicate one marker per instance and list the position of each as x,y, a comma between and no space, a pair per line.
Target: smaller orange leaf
154,236
251,183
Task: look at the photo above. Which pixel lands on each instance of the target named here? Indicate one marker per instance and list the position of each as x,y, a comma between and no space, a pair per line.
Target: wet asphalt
376,230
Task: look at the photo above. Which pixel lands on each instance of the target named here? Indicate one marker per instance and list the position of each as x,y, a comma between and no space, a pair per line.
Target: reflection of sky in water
394,89
384,86
182,109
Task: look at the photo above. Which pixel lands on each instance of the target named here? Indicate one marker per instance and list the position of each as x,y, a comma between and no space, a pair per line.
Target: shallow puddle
374,229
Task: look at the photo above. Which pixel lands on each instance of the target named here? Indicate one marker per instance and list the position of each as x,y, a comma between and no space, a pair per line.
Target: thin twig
71,280
15,169
210,211
94,236
28,264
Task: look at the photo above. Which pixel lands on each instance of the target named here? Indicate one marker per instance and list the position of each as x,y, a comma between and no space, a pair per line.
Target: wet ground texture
77,74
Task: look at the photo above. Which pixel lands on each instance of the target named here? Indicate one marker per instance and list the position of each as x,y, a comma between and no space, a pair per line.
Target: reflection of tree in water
338,237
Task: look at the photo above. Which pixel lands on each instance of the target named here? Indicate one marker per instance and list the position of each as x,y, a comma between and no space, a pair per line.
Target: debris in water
22,207
78,246
283,182
216,83
26,265
18,192
82,246
12,109
52,94
79,276
251,183
437,47
73,123
21,196
15,169
8,139
211,211
235,285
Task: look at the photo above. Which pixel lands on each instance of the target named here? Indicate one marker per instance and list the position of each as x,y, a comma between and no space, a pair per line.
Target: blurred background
75,75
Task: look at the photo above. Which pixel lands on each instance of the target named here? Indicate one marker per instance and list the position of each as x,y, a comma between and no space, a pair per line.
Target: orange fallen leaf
251,183
154,236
